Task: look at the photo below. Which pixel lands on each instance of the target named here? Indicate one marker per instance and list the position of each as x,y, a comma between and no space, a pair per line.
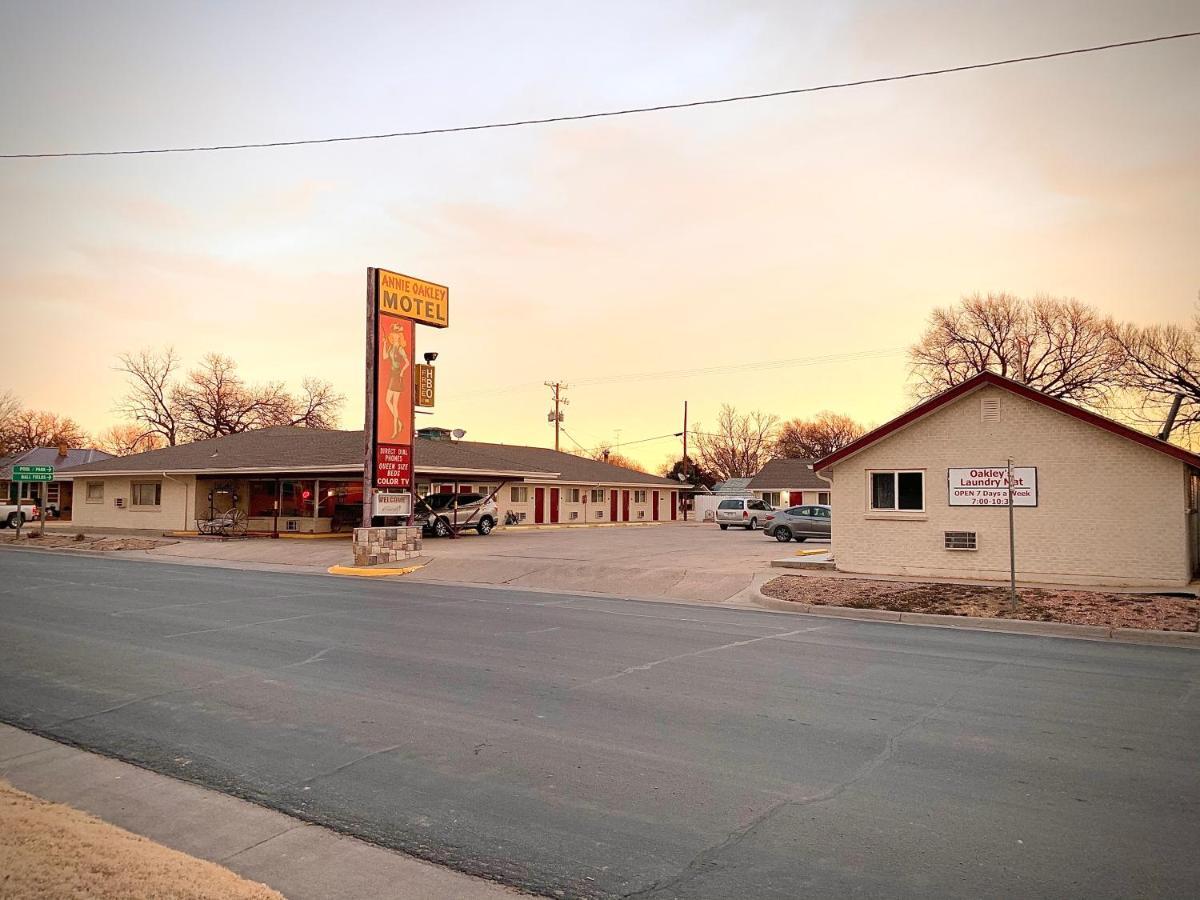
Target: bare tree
606,453
148,400
317,406
128,438
1160,362
1061,347
739,446
10,406
30,428
825,433
213,400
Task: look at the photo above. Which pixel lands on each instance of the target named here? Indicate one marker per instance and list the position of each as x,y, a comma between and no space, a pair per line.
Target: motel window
823,498
145,493
639,496
771,498
518,494
95,492
898,491
598,495
572,495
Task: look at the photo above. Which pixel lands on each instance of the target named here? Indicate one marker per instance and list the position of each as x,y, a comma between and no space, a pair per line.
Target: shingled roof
293,449
788,475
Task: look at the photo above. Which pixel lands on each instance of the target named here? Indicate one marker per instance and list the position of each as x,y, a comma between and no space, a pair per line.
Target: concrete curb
301,859
1186,639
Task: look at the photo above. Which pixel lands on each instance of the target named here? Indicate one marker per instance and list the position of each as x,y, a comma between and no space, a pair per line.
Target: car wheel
724,527
441,528
16,520
753,526
783,535
486,525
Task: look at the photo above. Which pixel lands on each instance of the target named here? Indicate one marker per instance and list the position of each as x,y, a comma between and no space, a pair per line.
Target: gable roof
49,456
788,474
732,486
985,379
289,448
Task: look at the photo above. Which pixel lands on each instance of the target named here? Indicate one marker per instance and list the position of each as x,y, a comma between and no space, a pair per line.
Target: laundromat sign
988,486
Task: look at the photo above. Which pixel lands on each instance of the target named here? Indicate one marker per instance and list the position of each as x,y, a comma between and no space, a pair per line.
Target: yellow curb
811,552
564,525
291,536
370,571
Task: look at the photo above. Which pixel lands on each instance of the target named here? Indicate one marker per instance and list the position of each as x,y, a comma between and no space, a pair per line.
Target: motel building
1095,502
304,481
789,482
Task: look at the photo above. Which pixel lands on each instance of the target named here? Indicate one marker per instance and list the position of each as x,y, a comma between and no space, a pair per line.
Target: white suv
438,514
742,512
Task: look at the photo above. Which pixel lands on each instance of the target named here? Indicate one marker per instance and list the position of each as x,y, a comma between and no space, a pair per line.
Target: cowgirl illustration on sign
395,350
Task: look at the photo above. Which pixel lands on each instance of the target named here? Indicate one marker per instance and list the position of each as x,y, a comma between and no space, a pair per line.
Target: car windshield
730,504
438,501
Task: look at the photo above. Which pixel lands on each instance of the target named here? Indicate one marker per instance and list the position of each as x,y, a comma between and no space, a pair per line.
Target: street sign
988,486
33,473
425,384
412,298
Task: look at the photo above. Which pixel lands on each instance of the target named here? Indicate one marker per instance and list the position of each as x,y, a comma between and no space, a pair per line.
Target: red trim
1021,390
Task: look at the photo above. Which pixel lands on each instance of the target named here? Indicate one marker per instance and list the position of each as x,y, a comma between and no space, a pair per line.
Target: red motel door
674,506
795,498
624,506
539,505
612,506
553,504
656,506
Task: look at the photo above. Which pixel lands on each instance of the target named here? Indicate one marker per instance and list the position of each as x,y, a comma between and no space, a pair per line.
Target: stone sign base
379,546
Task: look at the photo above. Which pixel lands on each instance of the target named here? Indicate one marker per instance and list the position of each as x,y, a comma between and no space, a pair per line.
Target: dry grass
52,851
1155,612
59,541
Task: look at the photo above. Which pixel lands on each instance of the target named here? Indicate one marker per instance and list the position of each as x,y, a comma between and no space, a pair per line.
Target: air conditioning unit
292,525
961,540
119,502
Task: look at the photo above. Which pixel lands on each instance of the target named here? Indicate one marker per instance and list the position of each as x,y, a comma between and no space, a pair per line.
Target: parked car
743,513
11,518
799,522
439,514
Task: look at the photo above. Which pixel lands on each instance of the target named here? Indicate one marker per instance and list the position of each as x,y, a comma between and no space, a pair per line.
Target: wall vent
291,525
960,540
989,409
119,502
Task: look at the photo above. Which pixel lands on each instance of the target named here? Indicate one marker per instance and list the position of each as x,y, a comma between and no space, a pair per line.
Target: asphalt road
611,748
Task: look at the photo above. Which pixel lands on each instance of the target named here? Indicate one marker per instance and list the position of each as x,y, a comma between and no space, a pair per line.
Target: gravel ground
58,541
1155,612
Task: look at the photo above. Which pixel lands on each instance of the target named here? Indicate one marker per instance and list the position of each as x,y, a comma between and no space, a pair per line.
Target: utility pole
557,415
1012,543
685,456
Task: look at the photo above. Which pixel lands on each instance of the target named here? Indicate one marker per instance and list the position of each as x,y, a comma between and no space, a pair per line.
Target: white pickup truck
11,518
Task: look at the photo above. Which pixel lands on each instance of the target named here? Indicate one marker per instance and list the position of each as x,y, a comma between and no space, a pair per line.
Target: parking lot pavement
674,560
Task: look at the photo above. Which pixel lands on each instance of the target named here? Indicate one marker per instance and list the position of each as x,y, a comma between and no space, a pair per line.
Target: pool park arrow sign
33,473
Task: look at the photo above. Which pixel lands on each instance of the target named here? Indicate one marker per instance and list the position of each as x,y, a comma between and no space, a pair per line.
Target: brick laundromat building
1096,502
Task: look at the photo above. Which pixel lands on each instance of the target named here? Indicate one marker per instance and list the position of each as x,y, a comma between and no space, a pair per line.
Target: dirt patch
59,541
48,850
1154,612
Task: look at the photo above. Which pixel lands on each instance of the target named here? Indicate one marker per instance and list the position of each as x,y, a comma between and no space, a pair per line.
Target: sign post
395,303
1012,543
23,474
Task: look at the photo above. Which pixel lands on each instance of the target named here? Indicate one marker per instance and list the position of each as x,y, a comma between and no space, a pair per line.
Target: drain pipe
1165,434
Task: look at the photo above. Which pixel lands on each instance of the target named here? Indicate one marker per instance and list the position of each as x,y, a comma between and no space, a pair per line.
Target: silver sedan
799,522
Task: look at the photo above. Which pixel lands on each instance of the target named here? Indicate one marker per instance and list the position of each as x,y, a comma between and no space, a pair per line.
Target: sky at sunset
809,226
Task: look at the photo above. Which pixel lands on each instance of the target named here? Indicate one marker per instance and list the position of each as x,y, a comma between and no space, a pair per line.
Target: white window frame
518,493
133,491
598,495
639,496
87,492
824,494
895,473
572,495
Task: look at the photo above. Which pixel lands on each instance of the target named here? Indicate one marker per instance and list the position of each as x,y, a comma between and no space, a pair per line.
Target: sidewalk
297,859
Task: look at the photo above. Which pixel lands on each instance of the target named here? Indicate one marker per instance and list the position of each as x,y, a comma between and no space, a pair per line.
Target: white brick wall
176,512
1110,511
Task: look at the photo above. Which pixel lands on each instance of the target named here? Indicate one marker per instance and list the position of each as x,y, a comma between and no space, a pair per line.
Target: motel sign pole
1012,543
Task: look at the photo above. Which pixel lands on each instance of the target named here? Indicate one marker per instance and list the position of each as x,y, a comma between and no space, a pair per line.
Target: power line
637,110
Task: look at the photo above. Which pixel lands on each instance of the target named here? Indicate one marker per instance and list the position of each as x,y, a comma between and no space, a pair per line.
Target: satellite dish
458,434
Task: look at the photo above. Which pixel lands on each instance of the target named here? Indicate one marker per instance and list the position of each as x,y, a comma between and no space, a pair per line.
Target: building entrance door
655,507
624,506
553,505
674,506
539,505
795,498
612,506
